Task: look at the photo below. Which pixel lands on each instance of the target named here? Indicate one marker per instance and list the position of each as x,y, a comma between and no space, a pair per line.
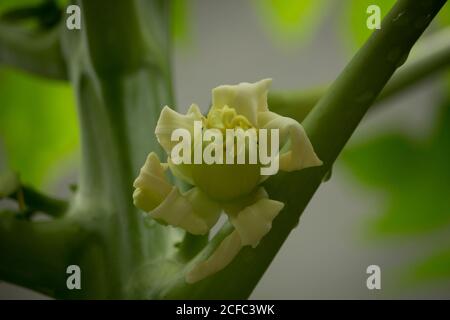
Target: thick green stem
433,58
329,126
36,255
118,64
120,70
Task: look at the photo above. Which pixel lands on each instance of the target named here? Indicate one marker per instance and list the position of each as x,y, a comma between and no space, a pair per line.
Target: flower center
226,182
226,118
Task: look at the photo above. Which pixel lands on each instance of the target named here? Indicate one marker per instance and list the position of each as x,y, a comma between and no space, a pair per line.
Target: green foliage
291,19
13,4
415,178
179,20
435,268
411,174
414,175
33,14
38,126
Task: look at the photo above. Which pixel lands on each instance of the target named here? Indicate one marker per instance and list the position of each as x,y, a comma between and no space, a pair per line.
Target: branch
34,201
37,52
433,57
329,126
36,255
29,199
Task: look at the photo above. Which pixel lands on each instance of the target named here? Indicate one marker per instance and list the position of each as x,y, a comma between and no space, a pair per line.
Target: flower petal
255,221
191,211
246,98
151,185
251,224
223,255
169,120
296,151
177,211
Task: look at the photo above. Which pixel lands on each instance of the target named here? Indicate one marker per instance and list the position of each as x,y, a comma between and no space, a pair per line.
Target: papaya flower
222,186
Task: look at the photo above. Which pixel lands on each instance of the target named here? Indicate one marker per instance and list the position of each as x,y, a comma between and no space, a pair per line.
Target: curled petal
223,255
255,221
296,151
169,120
151,185
251,225
177,211
246,98
191,211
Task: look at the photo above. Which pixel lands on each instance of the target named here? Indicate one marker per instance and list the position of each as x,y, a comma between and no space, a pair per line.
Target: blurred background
388,201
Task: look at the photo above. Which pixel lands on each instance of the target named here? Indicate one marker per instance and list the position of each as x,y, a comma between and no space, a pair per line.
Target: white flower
232,188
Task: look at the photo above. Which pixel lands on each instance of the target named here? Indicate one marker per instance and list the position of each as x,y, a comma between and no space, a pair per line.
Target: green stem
35,201
433,57
329,126
191,245
118,64
121,77
36,255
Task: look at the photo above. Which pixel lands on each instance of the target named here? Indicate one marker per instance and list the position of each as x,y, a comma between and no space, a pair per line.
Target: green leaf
364,160
435,267
291,19
355,22
179,20
12,4
413,175
415,178
38,126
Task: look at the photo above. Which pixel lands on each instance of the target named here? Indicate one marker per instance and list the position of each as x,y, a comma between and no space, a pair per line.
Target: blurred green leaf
32,14
355,22
415,178
434,268
179,20
6,5
10,4
291,18
38,126
414,175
